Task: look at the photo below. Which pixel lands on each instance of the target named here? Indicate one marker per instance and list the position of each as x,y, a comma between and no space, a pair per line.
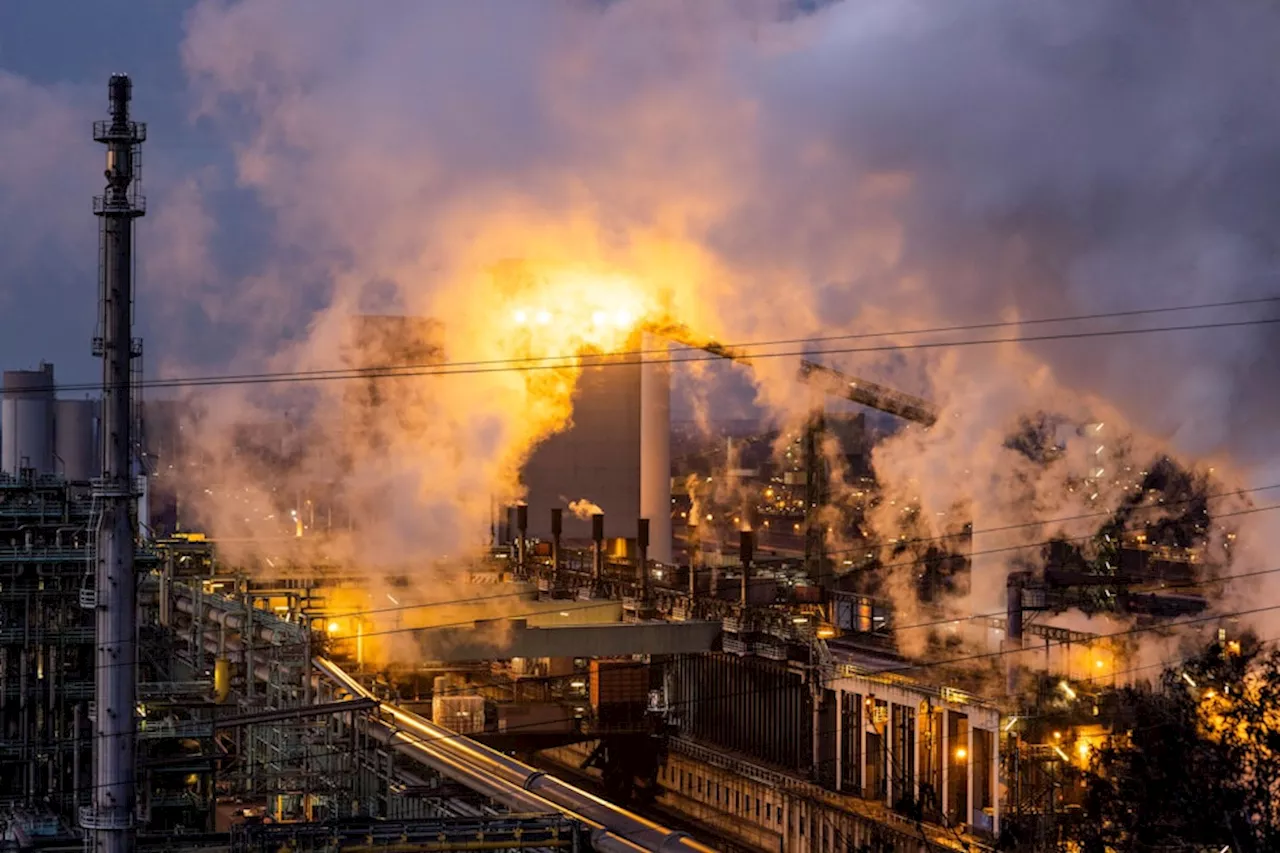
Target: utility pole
111,817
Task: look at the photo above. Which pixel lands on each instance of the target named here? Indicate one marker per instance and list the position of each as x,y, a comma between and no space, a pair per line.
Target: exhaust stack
746,551
695,556
110,817
522,539
557,528
642,546
597,554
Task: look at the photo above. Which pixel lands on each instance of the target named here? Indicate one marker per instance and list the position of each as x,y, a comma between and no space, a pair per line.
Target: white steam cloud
876,165
584,509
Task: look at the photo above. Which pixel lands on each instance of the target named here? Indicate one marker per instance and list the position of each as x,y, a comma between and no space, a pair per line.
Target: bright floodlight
599,318
520,317
622,318
544,317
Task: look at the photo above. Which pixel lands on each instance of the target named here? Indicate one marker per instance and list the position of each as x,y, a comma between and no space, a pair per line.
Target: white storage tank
75,441
462,714
26,420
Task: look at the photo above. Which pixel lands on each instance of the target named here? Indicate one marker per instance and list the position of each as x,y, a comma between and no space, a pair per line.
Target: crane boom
870,394
834,382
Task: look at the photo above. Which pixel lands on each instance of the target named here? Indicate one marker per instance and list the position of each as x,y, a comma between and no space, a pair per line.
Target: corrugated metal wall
755,707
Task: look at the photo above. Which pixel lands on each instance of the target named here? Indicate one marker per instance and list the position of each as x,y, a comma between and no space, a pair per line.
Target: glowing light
1099,664
1082,748
1057,735
623,318
333,627
520,318
962,753
599,318
544,317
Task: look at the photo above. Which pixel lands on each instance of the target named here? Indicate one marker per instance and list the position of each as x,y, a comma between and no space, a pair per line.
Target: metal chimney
110,818
557,528
597,556
1013,619
695,556
642,546
522,539
746,550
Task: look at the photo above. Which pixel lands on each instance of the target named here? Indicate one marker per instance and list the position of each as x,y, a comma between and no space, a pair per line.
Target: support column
864,719
968,772
995,782
915,750
944,799
889,738
839,739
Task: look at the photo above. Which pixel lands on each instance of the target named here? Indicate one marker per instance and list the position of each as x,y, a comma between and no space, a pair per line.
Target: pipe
642,546
745,553
1013,637
557,527
597,555
522,540
695,556
575,803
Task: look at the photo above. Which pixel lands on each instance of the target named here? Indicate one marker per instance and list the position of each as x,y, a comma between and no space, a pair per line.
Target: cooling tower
26,420
75,439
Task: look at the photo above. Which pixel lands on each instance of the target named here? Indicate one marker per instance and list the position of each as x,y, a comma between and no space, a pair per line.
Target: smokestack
557,527
695,556
642,545
746,550
597,556
522,541
1013,624
655,442
112,813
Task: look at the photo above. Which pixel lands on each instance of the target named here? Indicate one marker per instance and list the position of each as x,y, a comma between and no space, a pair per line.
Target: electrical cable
611,359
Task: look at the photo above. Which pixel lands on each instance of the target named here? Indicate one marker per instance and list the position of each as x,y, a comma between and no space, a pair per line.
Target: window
768,811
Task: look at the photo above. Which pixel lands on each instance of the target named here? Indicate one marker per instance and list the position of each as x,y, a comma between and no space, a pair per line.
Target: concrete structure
26,421
615,455
75,439
502,640
655,446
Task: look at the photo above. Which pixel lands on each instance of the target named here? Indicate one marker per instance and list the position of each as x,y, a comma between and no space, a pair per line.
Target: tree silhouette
1192,763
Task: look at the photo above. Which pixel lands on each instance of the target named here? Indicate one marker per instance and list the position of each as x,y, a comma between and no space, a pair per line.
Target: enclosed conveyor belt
619,829
834,382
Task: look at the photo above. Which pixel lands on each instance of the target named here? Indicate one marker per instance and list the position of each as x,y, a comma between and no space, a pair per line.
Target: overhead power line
682,354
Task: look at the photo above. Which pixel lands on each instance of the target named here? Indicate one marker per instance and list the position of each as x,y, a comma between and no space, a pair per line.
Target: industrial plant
667,640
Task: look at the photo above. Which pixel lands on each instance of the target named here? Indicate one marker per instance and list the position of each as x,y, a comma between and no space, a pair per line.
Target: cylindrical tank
655,445
26,420
75,439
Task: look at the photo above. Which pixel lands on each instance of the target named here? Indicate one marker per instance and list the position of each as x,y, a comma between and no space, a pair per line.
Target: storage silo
26,420
75,439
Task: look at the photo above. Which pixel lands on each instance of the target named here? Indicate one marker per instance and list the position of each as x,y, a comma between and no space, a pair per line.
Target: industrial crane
835,383
832,381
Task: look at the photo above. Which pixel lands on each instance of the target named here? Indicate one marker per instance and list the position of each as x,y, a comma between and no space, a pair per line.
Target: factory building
614,455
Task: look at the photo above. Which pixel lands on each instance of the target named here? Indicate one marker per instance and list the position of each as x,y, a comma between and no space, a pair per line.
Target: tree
1193,763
